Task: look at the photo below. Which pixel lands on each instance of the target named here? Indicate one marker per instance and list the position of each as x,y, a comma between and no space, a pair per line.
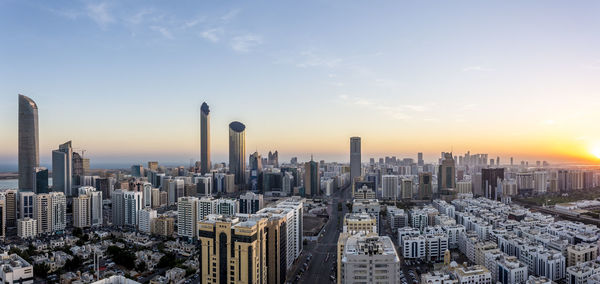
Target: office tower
312,180
133,204
147,194
206,206
78,171
137,170
389,186
58,208
251,202
355,159
187,217
407,189
204,186
147,216
81,211
447,173
118,207
425,186
276,248
2,217
28,142
242,243
205,164
273,159
11,197
94,205
237,151
103,185
287,183
255,162
62,168
511,161
155,198
26,205
40,182
498,161
370,259
420,161
490,179
43,213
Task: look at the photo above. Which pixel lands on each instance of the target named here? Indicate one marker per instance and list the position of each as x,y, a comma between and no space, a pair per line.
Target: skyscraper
62,168
237,151
355,159
446,174
489,181
204,139
28,142
312,181
425,186
40,183
420,161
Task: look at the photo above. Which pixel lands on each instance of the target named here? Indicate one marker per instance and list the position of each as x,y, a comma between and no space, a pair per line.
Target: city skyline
413,79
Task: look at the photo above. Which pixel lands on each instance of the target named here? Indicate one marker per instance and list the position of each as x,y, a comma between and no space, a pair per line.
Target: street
319,270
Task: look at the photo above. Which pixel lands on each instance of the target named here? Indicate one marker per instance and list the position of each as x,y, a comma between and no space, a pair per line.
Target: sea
14,183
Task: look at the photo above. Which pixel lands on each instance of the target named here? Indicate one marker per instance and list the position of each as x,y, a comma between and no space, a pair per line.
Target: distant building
40,182
62,169
355,157
312,179
205,164
28,142
251,202
237,152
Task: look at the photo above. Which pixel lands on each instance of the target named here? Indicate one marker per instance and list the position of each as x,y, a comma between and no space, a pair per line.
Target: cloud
399,112
594,65
139,17
311,59
212,35
163,31
245,43
99,13
477,69
230,15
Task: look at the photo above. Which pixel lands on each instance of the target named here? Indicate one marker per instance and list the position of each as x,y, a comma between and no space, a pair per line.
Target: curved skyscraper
237,151
28,142
204,138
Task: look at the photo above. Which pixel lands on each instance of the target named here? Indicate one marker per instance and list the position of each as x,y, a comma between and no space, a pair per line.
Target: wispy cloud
594,65
245,43
400,112
138,17
310,58
477,69
100,14
230,15
165,32
213,34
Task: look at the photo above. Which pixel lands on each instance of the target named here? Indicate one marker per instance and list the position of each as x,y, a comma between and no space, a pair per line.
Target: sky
124,80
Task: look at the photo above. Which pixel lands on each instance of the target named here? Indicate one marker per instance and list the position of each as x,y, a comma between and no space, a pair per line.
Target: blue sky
125,79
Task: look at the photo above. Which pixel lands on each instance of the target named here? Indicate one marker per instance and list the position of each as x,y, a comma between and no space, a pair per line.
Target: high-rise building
237,151
251,202
205,164
407,189
26,205
153,165
255,162
389,186
27,228
420,161
273,159
187,217
447,174
2,216
58,208
355,157
118,207
425,186
163,226
137,170
312,179
243,243
78,171
147,216
40,183
28,142
540,181
370,260
81,211
62,168
147,187
11,197
133,204
43,212
227,207
490,178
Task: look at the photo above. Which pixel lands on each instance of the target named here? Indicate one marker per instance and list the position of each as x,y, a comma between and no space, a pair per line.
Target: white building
511,270
413,247
370,260
435,246
540,182
27,228
206,206
187,217
14,269
473,274
133,204
227,207
147,216
580,273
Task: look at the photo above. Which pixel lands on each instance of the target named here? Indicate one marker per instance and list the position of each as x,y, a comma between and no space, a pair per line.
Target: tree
141,267
41,270
72,264
122,257
77,232
168,260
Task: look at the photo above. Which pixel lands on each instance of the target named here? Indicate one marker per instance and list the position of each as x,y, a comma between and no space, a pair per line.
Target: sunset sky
125,80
